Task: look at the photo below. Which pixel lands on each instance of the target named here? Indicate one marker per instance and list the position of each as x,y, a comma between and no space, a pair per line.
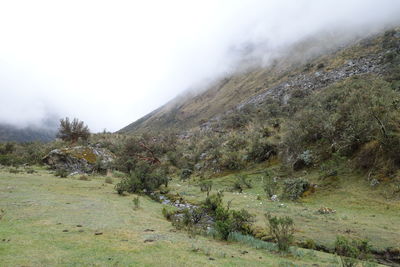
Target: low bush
282,230
186,173
62,173
136,203
270,184
168,212
84,178
108,180
144,177
293,188
251,241
241,183
351,250
205,186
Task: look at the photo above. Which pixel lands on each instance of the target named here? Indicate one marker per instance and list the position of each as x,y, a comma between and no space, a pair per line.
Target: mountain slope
27,134
278,81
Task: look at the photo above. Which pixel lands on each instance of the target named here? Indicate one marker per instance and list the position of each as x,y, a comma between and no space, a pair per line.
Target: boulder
80,159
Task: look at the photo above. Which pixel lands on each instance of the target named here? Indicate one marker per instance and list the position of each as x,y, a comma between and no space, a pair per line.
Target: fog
111,62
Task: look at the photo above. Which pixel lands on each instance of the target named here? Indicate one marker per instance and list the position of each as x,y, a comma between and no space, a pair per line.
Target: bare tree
72,131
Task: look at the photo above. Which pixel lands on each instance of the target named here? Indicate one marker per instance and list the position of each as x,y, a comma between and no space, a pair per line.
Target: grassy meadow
51,221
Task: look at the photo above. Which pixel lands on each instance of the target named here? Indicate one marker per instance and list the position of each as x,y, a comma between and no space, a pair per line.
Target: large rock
81,159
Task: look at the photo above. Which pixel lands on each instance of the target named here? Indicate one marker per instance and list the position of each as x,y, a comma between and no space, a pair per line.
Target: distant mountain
27,134
302,69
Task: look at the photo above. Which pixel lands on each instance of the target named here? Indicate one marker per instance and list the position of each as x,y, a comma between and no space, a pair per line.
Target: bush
72,131
205,186
212,203
30,171
84,178
241,183
349,250
14,170
232,161
122,186
270,184
343,117
186,173
260,150
282,230
108,180
169,212
293,188
228,221
62,173
136,203
10,160
143,177
251,241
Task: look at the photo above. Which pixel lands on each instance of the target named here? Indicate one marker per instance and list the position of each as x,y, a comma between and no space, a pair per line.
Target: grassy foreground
51,221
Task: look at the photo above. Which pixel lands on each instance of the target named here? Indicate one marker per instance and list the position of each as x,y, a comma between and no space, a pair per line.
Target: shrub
84,178
30,171
251,241
169,212
232,161
10,160
62,173
14,170
282,230
293,188
186,173
122,186
241,183
270,184
136,203
260,149
144,177
228,221
212,203
108,180
205,186
343,117
351,250
72,131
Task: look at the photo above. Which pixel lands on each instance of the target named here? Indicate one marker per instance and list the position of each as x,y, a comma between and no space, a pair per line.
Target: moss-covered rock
81,159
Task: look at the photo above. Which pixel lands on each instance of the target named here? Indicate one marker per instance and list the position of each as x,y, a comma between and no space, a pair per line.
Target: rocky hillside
278,81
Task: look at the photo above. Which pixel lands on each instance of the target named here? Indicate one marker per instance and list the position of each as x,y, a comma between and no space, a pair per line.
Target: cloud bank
111,62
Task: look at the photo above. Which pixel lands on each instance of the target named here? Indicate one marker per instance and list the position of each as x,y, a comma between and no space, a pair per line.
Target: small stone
65,230
98,233
211,259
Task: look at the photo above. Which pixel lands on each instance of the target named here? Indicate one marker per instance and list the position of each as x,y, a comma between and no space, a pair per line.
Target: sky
109,63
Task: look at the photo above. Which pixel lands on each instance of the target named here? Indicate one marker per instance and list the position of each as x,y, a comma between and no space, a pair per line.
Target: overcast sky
111,62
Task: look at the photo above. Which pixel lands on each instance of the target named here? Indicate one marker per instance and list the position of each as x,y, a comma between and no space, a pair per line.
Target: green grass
361,211
39,207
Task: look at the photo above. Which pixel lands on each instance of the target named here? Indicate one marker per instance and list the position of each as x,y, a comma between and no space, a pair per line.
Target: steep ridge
278,81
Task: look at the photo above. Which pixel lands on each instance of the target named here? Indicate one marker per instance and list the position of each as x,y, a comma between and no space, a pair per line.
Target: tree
72,131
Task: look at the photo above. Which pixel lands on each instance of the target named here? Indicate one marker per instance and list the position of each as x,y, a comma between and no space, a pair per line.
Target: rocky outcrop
319,79
79,159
